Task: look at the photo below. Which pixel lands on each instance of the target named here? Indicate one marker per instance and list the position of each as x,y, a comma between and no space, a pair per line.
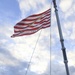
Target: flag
32,24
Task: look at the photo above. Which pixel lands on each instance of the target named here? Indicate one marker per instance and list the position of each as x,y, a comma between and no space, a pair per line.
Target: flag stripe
37,15
27,33
30,31
32,28
29,24
23,23
32,24
30,20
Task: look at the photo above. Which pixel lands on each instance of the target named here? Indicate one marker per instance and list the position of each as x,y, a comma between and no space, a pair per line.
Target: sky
15,53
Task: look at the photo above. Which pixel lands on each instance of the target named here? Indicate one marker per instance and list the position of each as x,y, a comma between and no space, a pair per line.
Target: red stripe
32,24
27,33
40,13
35,28
20,23
35,24
17,35
36,15
25,25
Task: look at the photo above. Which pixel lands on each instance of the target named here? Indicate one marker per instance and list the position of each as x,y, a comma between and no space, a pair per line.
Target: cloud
65,5
69,30
72,70
7,61
21,49
18,51
31,5
71,57
71,12
42,61
6,58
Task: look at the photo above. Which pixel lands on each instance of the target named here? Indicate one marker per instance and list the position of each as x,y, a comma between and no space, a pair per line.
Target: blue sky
15,53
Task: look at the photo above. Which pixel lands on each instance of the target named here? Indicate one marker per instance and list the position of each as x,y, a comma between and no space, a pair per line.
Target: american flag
32,24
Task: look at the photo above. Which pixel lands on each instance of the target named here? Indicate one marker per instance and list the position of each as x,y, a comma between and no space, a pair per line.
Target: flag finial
54,2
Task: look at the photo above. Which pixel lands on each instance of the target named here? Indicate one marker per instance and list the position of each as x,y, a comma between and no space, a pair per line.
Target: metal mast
61,38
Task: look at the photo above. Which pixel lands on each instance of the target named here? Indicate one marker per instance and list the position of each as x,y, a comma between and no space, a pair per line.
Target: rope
33,53
50,42
35,49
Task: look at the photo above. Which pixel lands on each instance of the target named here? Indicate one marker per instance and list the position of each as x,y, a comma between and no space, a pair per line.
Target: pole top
54,2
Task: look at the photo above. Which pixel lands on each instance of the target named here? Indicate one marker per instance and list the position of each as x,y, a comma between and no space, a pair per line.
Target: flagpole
61,38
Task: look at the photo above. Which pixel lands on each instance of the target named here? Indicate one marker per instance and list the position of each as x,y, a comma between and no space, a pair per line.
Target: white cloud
65,5
40,68
7,61
27,5
21,48
6,30
2,41
67,14
40,61
21,51
69,30
71,12
71,58
24,46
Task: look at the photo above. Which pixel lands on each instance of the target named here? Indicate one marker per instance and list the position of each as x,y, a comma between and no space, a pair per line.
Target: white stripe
21,25
27,32
26,24
33,17
34,26
46,25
